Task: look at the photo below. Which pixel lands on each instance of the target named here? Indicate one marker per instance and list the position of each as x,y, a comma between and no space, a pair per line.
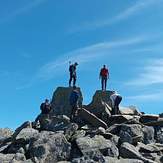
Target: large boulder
101,104
129,151
5,133
131,133
6,158
50,147
60,101
148,133
53,123
98,142
131,110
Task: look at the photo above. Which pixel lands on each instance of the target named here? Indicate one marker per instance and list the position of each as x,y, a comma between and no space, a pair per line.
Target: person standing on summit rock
104,76
73,76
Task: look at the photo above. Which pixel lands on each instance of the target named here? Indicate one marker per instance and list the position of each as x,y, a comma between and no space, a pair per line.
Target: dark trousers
116,105
72,77
73,111
103,82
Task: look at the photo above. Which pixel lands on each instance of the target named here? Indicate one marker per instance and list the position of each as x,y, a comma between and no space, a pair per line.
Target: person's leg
102,83
70,80
117,102
72,113
74,80
105,82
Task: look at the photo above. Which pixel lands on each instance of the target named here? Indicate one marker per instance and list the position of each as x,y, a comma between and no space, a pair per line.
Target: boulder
101,104
131,110
26,124
6,158
148,135
131,133
159,134
91,118
50,147
27,133
149,148
119,119
98,142
158,122
54,123
147,118
70,130
121,160
60,101
129,151
5,133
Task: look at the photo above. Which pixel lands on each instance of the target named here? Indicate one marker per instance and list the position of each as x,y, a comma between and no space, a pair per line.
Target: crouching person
45,108
116,100
74,100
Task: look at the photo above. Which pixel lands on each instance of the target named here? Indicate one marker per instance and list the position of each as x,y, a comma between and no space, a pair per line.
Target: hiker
115,99
72,70
104,75
74,99
45,108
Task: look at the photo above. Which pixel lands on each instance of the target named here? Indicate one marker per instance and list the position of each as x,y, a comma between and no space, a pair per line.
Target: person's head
75,63
46,100
104,66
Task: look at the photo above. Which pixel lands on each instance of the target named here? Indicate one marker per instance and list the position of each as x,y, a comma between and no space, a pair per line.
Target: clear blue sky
39,37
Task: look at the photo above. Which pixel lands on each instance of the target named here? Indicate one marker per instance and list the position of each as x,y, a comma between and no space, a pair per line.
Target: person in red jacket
104,76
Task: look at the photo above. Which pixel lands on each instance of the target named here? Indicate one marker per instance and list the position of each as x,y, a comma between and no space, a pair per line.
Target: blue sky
39,37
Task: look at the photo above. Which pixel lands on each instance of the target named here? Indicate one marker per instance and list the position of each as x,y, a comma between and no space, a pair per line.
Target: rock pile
95,136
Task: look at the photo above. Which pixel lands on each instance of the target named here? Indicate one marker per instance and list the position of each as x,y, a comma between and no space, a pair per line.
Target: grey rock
54,123
27,133
4,134
147,118
60,101
70,130
131,110
148,133
131,133
129,151
101,104
50,147
159,134
6,158
26,124
19,157
98,142
115,160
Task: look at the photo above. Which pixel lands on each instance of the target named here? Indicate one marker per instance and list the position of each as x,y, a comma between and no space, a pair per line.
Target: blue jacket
74,96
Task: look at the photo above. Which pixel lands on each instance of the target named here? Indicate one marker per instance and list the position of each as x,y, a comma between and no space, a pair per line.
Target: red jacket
104,72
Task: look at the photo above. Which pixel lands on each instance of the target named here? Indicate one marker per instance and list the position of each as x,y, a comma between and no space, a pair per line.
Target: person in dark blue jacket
74,99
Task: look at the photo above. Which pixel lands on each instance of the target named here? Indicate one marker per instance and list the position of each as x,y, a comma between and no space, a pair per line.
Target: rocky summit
95,136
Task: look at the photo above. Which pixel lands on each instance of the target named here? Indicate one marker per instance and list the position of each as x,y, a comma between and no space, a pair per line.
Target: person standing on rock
104,75
116,100
74,99
72,70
